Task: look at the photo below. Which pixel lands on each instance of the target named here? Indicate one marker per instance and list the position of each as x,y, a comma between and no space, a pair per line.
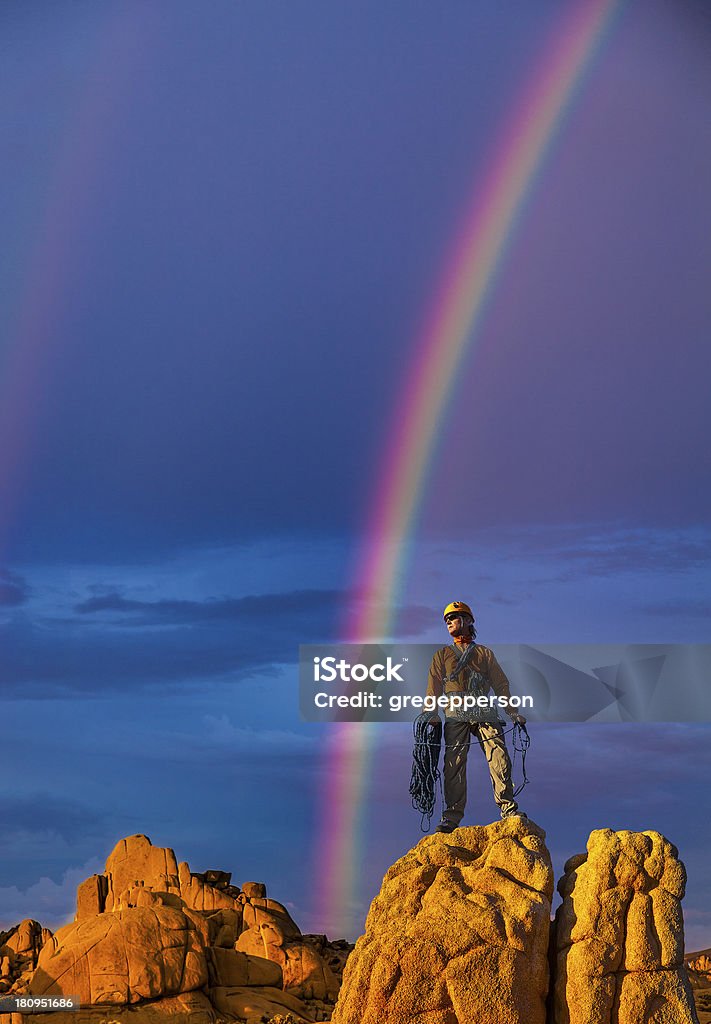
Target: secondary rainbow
450,329
54,255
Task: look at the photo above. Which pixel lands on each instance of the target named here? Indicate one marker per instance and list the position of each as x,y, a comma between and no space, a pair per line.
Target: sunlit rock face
619,934
459,933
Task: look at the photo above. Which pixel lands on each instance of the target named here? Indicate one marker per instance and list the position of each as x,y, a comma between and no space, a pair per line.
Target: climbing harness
476,686
463,658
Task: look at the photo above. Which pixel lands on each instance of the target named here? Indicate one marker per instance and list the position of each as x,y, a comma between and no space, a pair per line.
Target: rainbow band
449,330
56,245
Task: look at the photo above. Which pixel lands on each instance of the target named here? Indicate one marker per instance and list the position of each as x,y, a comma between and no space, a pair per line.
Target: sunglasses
451,617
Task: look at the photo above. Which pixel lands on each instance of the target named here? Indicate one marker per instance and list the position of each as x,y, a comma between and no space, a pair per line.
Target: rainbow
56,251
450,329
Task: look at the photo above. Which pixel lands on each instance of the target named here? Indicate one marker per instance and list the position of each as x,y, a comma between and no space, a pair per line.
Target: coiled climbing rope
425,773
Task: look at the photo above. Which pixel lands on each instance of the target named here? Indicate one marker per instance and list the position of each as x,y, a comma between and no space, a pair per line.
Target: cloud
682,607
51,903
584,763
210,739
584,550
222,733
114,641
13,589
256,610
661,564
40,661
44,833
274,612
43,813
606,554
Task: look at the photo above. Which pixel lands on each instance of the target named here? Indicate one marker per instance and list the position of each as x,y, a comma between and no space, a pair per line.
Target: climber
466,667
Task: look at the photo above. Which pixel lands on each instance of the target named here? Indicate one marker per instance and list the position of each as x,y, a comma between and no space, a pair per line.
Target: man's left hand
518,720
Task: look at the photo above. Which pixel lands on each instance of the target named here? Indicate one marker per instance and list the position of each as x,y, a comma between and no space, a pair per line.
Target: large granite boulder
135,860
458,933
202,895
19,951
700,963
123,957
256,1005
334,952
230,967
270,932
619,934
135,863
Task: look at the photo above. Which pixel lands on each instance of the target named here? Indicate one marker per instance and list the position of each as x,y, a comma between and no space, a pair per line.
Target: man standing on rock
466,667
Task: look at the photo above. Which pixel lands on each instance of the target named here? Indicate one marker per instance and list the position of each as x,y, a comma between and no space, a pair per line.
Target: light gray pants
457,738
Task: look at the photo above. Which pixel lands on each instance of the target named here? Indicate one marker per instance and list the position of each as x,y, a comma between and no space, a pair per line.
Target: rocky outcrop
699,963
271,933
152,935
19,951
619,939
458,933
698,970
333,952
199,894
256,1005
124,957
136,862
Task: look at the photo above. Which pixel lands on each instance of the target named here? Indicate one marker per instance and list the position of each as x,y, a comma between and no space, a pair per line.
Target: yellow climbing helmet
457,607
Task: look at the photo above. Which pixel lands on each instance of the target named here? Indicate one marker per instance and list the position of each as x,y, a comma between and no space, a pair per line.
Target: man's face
457,625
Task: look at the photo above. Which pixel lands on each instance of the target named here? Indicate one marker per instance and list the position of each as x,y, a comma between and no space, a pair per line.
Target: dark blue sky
225,226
